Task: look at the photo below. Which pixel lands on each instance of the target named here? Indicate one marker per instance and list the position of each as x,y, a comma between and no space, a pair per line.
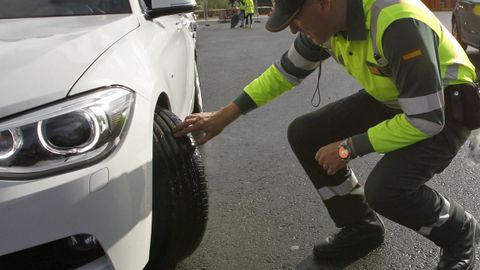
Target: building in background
440,5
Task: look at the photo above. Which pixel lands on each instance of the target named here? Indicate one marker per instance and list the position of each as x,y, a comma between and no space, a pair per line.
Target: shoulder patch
411,55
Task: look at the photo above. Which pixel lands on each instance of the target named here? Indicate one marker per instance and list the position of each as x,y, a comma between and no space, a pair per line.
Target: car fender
155,58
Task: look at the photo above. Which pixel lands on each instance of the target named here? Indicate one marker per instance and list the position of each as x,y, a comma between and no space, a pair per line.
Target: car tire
179,199
457,34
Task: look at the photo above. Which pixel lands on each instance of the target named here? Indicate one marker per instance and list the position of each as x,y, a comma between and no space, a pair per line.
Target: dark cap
283,13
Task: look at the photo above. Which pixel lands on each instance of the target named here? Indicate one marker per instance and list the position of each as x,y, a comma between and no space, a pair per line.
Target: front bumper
110,200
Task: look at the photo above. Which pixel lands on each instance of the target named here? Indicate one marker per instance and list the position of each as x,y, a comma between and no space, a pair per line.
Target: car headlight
64,136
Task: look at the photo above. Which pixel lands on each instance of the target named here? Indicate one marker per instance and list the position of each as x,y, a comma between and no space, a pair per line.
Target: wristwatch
345,152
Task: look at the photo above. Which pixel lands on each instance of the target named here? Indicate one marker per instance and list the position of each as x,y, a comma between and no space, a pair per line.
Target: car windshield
51,8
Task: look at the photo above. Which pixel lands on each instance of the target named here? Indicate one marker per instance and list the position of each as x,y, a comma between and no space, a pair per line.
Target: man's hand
205,122
328,158
211,123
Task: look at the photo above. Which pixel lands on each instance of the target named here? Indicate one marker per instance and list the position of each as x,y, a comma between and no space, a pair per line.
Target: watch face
343,152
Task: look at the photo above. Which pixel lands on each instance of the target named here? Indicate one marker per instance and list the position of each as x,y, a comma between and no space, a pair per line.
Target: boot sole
351,251
348,252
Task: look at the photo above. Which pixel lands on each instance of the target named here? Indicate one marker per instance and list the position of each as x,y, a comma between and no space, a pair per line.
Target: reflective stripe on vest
454,63
268,86
457,69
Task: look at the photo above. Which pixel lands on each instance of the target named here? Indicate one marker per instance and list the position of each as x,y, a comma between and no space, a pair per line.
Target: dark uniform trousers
396,186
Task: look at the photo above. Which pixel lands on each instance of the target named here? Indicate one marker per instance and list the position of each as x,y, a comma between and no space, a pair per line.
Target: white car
90,174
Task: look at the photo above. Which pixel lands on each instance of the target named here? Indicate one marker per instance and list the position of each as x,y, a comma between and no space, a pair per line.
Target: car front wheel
180,201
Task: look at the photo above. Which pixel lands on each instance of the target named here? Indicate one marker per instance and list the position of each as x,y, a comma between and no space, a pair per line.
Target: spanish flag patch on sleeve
411,55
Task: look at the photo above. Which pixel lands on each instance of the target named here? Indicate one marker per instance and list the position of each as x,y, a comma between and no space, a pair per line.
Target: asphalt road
264,212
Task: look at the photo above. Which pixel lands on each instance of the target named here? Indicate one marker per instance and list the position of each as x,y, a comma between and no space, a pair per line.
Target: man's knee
378,197
296,131
387,201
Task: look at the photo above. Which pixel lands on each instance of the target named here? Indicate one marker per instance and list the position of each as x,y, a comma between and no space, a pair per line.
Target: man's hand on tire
210,123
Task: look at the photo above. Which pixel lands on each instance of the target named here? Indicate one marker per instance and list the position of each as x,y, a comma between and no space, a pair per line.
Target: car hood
42,58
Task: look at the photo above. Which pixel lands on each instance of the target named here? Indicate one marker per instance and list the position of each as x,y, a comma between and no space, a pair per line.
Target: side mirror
169,7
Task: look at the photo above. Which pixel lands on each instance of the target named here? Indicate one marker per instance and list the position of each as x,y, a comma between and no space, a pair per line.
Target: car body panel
467,16
144,61
67,56
44,62
118,214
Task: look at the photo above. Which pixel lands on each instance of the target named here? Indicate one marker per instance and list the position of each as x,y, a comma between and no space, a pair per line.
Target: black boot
360,237
460,255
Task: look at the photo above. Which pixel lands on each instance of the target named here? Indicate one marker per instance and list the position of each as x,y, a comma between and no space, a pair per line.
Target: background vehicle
466,23
90,174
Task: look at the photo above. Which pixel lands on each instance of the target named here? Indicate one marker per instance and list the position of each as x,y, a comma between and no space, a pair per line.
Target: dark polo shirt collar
355,21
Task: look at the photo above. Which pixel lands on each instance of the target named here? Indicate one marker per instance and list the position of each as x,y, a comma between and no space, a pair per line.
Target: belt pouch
470,94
